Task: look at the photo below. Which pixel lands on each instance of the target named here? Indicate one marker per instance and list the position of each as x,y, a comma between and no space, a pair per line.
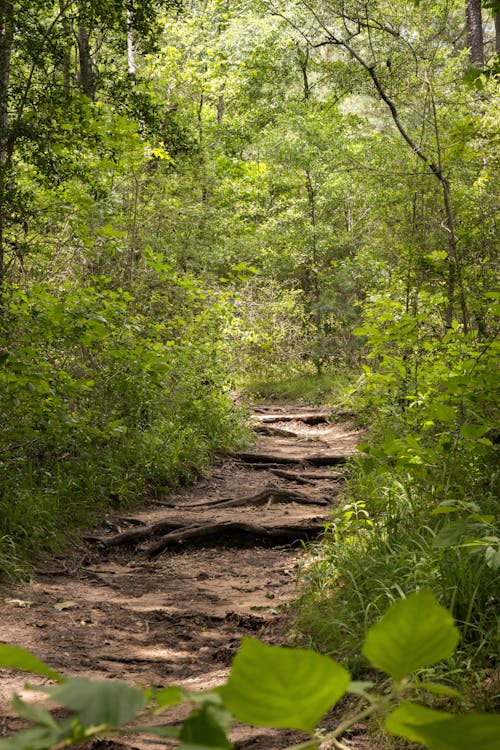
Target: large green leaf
34,713
206,727
37,737
438,730
13,657
413,633
282,687
99,702
407,718
170,696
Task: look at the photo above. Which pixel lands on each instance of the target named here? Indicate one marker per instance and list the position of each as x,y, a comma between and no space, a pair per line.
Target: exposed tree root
270,494
133,536
290,475
319,416
332,476
265,429
312,418
274,534
266,458
316,459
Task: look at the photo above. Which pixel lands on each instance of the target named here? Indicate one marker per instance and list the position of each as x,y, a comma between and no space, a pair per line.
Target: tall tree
6,38
474,26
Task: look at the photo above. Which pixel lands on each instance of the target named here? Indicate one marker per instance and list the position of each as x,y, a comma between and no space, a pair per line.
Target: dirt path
118,607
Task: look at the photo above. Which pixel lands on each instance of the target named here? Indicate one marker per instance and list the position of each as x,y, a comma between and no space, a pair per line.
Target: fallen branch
275,534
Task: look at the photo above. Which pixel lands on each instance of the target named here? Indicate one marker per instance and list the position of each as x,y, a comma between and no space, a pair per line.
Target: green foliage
296,688
441,731
102,403
14,657
329,388
402,641
271,686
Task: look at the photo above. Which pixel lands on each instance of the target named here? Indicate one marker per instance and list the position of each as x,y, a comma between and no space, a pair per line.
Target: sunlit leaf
96,702
34,713
414,633
438,730
282,687
13,657
170,696
206,727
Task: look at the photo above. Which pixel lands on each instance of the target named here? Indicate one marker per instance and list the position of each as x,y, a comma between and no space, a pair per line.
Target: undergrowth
307,387
104,406
420,509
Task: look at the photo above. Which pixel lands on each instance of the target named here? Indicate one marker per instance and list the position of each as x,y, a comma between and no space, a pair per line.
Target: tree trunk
220,106
474,26
86,74
66,61
6,37
496,18
130,41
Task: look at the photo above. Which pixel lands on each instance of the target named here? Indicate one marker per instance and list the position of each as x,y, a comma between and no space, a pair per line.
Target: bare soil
177,617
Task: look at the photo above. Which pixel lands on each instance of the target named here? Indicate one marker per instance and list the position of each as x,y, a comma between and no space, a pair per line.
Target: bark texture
474,26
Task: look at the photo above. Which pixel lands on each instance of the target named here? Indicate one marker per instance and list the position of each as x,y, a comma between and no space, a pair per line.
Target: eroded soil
178,617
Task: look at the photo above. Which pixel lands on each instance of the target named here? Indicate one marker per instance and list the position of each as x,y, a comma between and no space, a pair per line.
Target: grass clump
384,547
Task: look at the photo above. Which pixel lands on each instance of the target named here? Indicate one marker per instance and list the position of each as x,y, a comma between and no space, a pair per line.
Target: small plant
272,686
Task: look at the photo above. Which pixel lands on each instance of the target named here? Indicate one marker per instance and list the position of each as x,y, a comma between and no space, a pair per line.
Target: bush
102,404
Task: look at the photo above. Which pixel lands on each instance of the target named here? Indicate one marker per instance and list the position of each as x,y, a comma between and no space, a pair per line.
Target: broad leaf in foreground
282,687
206,727
13,657
438,730
111,703
37,737
414,633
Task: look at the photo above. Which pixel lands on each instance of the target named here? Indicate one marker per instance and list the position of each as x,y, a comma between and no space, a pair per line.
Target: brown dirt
177,619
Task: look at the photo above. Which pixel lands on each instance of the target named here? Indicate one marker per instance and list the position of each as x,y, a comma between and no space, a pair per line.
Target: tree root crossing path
164,596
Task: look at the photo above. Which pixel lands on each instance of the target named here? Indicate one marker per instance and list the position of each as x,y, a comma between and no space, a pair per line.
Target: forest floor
163,596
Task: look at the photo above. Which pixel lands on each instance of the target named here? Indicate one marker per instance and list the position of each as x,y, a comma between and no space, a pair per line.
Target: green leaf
13,657
474,431
37,738
99,702
406,719
438,730
37,714
452,534
206,727
414,633
492,556
463,733
170,696
436,688
442,412
282,687
360,688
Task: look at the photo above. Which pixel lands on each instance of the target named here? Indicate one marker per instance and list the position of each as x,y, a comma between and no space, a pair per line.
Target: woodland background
294,198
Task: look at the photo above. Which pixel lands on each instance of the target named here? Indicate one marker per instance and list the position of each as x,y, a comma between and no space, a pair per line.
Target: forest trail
164,596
